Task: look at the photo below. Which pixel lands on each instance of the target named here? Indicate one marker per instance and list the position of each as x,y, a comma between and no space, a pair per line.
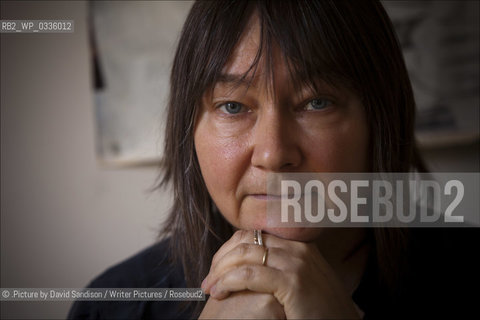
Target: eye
317,104
231,107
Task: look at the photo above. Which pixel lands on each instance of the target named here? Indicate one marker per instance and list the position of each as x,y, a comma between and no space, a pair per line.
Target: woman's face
244,132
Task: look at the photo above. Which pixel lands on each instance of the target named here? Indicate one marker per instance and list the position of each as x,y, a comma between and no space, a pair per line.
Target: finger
246,236
240,236
244,253
255,278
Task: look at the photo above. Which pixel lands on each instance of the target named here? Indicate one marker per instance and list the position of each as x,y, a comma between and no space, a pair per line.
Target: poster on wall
441,45
132,45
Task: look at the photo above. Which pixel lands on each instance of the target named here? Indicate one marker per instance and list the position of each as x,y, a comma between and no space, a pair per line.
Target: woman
280,86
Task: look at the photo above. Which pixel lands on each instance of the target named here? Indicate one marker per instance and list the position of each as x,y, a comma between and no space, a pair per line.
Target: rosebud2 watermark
373,200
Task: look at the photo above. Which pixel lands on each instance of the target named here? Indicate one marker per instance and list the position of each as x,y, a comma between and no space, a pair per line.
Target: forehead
246,50
250,64
259,62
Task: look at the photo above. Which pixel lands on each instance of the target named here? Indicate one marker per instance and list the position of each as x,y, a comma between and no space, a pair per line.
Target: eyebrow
238,80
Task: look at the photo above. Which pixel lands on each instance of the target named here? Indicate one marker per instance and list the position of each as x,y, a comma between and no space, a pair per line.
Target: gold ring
265,254
257,237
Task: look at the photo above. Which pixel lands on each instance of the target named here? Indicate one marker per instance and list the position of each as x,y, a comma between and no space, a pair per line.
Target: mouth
271,197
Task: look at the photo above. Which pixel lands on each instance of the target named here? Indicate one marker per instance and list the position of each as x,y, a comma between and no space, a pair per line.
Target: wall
64,218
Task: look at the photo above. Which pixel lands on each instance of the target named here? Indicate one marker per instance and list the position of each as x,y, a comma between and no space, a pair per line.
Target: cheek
218,163
222,161
349,148
339,148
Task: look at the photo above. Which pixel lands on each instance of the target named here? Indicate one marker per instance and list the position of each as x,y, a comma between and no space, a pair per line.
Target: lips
271,197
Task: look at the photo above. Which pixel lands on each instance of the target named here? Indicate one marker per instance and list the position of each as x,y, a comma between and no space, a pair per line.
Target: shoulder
444,264
150,268
451,245
441,274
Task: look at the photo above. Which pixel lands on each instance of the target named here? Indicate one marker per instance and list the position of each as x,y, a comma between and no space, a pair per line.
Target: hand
243,305
295,273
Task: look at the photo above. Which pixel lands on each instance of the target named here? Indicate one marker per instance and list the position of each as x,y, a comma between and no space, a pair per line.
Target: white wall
64,219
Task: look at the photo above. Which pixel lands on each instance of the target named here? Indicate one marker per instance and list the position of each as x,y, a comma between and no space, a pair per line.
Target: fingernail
204,282
213,290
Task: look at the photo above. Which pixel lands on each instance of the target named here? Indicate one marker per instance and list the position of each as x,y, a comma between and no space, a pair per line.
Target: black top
443,282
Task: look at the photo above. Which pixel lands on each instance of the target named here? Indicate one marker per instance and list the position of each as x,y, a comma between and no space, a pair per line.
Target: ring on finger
257,237
265,255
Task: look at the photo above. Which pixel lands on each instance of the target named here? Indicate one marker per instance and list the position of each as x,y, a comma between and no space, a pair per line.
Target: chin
296,234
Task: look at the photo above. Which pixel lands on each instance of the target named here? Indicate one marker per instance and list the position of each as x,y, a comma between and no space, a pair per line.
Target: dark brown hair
346,42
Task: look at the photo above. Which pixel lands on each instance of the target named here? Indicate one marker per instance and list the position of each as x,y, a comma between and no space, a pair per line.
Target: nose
276,145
